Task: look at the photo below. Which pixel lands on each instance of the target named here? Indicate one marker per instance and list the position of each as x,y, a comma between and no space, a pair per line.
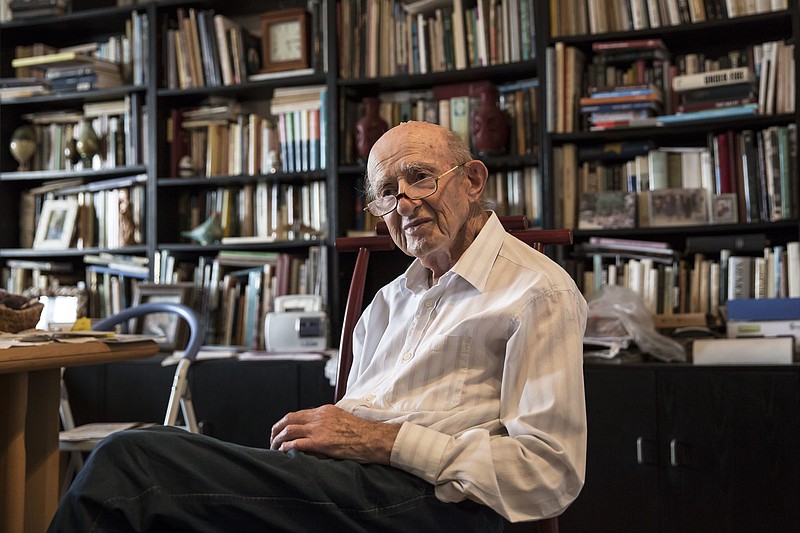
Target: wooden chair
364,246
74,440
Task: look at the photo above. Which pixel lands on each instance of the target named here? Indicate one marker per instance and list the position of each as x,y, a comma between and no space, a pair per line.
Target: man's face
429,228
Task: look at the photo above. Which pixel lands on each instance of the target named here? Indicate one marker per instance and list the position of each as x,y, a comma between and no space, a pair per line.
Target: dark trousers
165,479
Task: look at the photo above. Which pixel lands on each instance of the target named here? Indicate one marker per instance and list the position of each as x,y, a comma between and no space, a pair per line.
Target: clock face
284,41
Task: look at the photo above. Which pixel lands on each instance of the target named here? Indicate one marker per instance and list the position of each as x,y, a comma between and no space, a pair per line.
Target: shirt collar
474,265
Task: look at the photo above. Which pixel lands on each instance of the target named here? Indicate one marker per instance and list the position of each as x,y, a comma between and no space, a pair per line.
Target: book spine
740,277
714,78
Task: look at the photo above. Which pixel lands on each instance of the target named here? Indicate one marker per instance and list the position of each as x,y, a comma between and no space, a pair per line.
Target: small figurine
208,232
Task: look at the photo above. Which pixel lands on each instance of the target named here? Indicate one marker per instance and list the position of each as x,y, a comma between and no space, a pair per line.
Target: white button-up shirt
484,372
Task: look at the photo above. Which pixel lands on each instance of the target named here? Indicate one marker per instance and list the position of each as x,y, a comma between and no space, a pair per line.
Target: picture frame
284,40
678,207
56,224
168,326
607,210
724,208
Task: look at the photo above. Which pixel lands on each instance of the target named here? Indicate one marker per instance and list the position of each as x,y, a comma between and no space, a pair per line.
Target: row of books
110,213
739,176
221,139
111,143
237,288
670,282
636,83
581,17
205,49
453,106
383,38
259,212
121,59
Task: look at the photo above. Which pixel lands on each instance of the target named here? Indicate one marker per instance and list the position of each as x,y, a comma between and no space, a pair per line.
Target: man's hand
330,431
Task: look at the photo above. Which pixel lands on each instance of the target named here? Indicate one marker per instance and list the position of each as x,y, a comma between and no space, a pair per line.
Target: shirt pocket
434,378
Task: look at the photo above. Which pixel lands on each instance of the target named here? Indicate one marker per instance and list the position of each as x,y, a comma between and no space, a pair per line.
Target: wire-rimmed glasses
383,205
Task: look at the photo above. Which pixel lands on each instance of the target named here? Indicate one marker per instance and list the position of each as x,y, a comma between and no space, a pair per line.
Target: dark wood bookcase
654,404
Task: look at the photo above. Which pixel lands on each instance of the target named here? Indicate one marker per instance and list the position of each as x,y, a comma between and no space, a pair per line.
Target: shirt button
428,304
370,398
407,356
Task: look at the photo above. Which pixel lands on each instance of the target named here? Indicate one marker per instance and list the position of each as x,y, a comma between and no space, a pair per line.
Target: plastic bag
619,311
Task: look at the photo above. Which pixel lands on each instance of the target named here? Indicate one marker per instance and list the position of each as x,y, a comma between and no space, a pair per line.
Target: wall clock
284,40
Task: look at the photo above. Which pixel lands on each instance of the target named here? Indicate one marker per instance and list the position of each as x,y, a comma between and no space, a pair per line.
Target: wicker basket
13,320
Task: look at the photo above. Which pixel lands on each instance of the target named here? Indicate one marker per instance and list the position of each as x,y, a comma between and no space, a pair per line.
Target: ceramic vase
23,146
369,128
88,144
490,125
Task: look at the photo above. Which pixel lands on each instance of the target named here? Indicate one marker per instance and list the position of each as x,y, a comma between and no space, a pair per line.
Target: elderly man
464,403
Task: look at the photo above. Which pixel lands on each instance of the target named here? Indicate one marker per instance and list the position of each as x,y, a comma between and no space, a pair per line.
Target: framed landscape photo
284,37
56,224
169,327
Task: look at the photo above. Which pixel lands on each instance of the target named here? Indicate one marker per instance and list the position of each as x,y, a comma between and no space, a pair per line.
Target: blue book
764,309
737,111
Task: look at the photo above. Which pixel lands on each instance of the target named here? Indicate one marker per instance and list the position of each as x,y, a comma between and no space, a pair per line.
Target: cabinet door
621,490
731,437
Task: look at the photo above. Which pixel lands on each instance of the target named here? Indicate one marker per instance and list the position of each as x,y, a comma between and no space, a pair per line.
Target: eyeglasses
383,205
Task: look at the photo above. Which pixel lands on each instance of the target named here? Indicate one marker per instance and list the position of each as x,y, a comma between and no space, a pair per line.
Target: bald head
417,140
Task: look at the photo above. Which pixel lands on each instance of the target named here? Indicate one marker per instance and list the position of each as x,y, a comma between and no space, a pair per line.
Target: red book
722,168
180,143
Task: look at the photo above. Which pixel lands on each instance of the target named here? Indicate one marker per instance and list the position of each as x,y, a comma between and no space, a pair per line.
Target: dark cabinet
681,448
236,401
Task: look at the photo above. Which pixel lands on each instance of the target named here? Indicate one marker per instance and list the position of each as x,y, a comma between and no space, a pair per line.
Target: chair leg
73,467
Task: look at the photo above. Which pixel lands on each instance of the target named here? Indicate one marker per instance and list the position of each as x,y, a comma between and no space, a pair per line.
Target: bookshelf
183,184
691,135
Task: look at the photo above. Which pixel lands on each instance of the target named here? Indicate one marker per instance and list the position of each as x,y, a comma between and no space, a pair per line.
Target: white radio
298,324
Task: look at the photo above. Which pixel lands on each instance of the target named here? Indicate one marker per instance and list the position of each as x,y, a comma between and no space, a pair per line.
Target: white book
459,35
760,278
714,78
743,350
793,268
740,277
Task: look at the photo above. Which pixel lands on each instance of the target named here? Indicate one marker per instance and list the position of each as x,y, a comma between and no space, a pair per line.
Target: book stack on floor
626,83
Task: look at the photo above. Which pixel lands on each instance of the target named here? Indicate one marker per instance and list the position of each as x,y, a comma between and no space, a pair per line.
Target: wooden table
29,425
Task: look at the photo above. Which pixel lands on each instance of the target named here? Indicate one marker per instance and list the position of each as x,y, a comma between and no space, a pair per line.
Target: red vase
490,125
369,128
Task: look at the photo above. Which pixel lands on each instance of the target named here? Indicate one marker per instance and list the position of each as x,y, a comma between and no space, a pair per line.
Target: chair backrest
196,329
180,397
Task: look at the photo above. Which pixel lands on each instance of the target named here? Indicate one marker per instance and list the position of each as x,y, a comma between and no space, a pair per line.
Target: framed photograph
678,207
607,210
284,38
169,327
56,224
724,208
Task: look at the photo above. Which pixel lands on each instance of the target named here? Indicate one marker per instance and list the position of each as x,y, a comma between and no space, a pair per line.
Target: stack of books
37,8
73,70
22,87
716,93
764,318
626,81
